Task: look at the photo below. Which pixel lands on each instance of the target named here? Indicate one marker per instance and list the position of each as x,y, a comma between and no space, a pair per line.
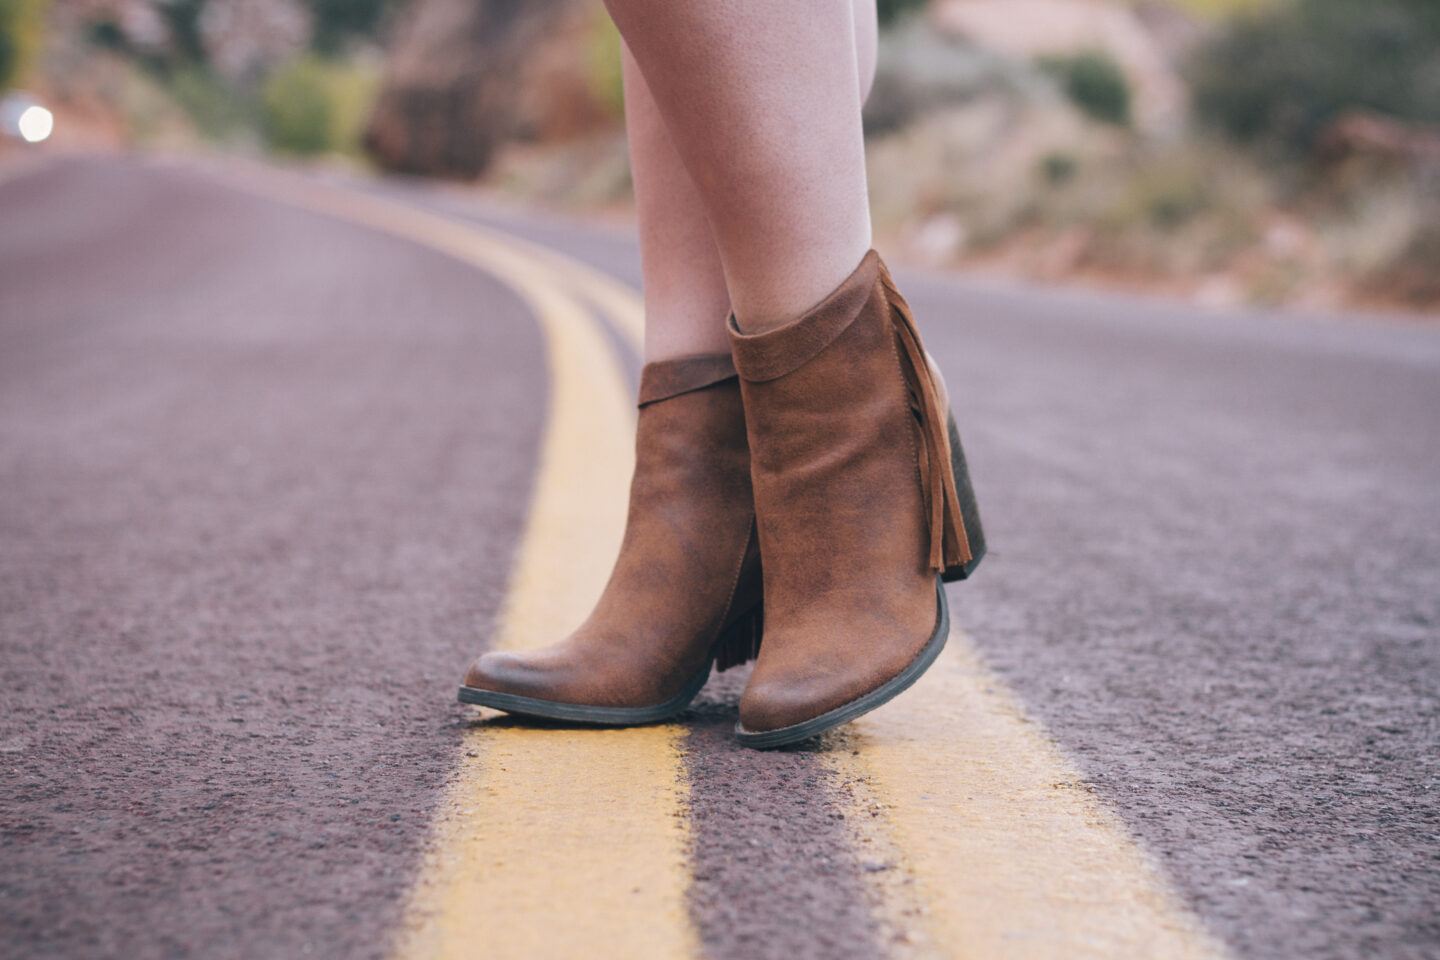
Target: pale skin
743,118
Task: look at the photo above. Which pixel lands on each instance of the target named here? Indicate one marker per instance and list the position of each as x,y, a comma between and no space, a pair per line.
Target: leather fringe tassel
949,546
741,641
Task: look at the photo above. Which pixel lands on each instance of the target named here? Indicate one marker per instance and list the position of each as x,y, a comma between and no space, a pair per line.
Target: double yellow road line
574,843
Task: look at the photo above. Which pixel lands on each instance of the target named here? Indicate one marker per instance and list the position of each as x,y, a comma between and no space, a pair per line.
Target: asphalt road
263,473
263,476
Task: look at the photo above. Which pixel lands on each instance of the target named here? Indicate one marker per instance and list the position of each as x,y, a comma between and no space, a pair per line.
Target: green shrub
890,11
22,31
337,21
1170,201
1094,83
1281,74
1219,8
1058,167
106,34
299,110
314,106
182,21
603,64
213,107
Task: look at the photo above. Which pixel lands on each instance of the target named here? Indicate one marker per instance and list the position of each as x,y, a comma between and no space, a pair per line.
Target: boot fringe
949,545
740,642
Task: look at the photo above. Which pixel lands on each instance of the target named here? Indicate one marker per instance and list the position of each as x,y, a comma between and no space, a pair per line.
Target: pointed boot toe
778,703
501,671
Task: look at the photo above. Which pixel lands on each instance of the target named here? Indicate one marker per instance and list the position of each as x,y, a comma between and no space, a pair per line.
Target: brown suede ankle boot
685,590
863,504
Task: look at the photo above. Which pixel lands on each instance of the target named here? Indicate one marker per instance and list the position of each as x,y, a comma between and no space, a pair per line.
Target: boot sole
887,691
585,713
743,630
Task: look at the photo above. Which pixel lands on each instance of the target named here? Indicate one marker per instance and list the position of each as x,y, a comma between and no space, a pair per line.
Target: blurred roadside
1282,152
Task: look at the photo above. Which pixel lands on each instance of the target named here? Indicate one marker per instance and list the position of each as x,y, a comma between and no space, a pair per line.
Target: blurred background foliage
1274,151
1094,82
313,105
22,30
1282,73
296,76
889,11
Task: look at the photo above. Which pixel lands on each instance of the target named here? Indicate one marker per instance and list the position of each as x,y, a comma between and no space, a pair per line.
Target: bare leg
768,209
684,284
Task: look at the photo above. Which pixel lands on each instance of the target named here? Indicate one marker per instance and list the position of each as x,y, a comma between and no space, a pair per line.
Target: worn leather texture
687,567
837,450
670,378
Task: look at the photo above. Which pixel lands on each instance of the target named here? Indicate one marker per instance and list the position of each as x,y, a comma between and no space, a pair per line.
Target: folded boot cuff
774,353
664,379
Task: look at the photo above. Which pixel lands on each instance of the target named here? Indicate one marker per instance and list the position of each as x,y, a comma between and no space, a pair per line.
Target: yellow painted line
550,843
617,300
1000,851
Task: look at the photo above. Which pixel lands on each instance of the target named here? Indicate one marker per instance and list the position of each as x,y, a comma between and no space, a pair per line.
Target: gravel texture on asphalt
263,474
775,872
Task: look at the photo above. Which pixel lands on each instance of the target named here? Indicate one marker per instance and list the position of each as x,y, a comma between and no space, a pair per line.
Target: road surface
281,453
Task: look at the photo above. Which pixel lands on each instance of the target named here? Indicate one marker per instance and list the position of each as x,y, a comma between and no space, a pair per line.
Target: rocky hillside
467,76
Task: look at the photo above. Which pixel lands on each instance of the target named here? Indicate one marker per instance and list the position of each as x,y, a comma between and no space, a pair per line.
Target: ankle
770,298
669,340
